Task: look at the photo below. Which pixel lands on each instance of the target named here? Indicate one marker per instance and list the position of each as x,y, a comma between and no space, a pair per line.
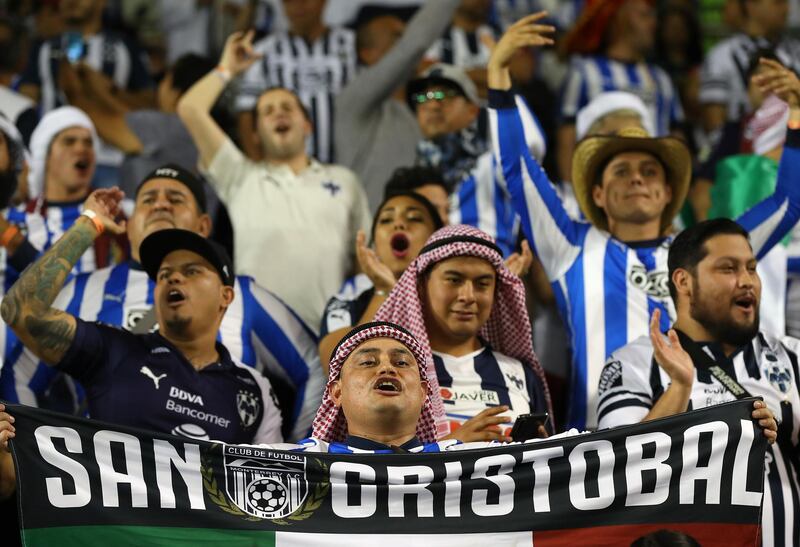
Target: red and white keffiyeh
330,423
508,329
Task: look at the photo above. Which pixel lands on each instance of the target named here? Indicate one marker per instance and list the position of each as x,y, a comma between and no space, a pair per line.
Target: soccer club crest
248,406
264,484
779,376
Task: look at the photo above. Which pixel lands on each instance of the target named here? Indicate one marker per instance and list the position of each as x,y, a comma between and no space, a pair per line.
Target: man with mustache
713,353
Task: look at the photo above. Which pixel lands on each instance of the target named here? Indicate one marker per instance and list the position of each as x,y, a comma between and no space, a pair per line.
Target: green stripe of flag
82,536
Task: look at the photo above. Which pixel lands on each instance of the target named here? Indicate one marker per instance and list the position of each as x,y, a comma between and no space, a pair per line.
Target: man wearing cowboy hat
610,274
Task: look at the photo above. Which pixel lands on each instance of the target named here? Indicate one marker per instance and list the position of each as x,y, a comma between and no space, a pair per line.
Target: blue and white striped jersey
482,198
632,382
316,72
589,76
258,329
43,224
485,378
606,289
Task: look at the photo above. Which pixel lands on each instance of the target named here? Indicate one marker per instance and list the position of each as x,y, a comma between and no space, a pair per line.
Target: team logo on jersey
248,406
779,376
331,187
516,380
654,283
611,376
265,484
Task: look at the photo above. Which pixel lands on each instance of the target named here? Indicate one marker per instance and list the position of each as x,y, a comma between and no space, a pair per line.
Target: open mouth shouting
82,167
400,244
175,297
746,303
281,128
388,385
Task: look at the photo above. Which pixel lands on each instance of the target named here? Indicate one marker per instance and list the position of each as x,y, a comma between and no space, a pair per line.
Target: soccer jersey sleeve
574,94
625,395
771,219
553,234
287,349
269,429
89,357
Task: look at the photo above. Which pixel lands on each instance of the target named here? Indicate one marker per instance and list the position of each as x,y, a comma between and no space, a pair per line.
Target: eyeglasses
440,95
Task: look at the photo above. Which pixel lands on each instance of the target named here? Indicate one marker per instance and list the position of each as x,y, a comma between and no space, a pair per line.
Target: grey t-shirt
164,140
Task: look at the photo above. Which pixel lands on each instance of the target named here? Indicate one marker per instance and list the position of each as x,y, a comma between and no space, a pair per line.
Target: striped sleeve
287,349
574,93
716,75
554,236
625,394
772,218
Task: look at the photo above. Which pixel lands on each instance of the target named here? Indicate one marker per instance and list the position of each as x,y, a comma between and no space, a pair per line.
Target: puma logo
149,373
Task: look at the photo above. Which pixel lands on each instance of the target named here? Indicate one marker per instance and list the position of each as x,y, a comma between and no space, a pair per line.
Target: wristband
223,73
91,215
793,124
8,235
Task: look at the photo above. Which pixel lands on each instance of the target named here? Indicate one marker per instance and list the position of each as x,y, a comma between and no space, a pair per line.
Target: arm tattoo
27,306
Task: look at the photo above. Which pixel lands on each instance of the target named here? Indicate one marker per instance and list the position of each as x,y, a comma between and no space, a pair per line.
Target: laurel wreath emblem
312,502
220,499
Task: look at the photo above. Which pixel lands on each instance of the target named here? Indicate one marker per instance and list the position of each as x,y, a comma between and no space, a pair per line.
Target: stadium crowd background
139,70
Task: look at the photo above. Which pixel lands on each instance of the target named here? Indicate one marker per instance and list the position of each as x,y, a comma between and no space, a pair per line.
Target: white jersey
258,329
632,382
483,379
723,79
316,72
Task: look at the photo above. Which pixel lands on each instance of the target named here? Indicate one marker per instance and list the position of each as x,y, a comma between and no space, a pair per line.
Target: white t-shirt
293,233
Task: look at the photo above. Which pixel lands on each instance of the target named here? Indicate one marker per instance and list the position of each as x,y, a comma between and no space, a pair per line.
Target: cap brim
158,245
593,152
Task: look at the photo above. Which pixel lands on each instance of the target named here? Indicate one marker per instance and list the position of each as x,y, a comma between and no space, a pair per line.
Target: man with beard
287,201
715,353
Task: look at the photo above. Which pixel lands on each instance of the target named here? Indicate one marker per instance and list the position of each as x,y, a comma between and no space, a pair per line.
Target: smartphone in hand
526,426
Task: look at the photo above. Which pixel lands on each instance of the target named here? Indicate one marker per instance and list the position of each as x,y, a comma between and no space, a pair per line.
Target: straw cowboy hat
593,153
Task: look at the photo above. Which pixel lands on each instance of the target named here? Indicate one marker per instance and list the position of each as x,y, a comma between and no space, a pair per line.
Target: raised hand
238,54
524,33
777,79
105,202
485,426
520,263
378,272
669,355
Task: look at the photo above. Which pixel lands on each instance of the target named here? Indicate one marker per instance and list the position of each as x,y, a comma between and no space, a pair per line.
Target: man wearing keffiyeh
461,302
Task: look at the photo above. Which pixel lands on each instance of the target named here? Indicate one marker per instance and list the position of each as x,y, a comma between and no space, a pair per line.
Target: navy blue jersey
144,381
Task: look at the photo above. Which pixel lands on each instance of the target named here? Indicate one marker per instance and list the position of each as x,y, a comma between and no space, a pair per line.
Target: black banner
696,468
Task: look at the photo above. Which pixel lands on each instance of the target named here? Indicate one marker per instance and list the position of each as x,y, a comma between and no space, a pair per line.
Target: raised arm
772,218
194,107
377,82
553,235
27,307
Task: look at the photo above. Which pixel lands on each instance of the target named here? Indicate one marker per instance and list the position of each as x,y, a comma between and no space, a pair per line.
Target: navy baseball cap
184,176
158,245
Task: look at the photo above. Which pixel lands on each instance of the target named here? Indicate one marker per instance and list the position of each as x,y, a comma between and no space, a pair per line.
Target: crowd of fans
231,187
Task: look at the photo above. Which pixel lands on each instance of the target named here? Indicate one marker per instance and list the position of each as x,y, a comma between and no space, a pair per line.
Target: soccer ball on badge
266,495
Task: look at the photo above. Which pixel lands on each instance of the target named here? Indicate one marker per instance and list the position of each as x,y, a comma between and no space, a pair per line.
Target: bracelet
381,292
223,73
91,215
793,124
8,235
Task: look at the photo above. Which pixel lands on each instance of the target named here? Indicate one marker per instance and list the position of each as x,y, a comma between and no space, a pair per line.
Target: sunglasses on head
438,95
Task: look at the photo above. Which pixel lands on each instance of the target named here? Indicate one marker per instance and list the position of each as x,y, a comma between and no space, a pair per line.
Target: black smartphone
526,426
